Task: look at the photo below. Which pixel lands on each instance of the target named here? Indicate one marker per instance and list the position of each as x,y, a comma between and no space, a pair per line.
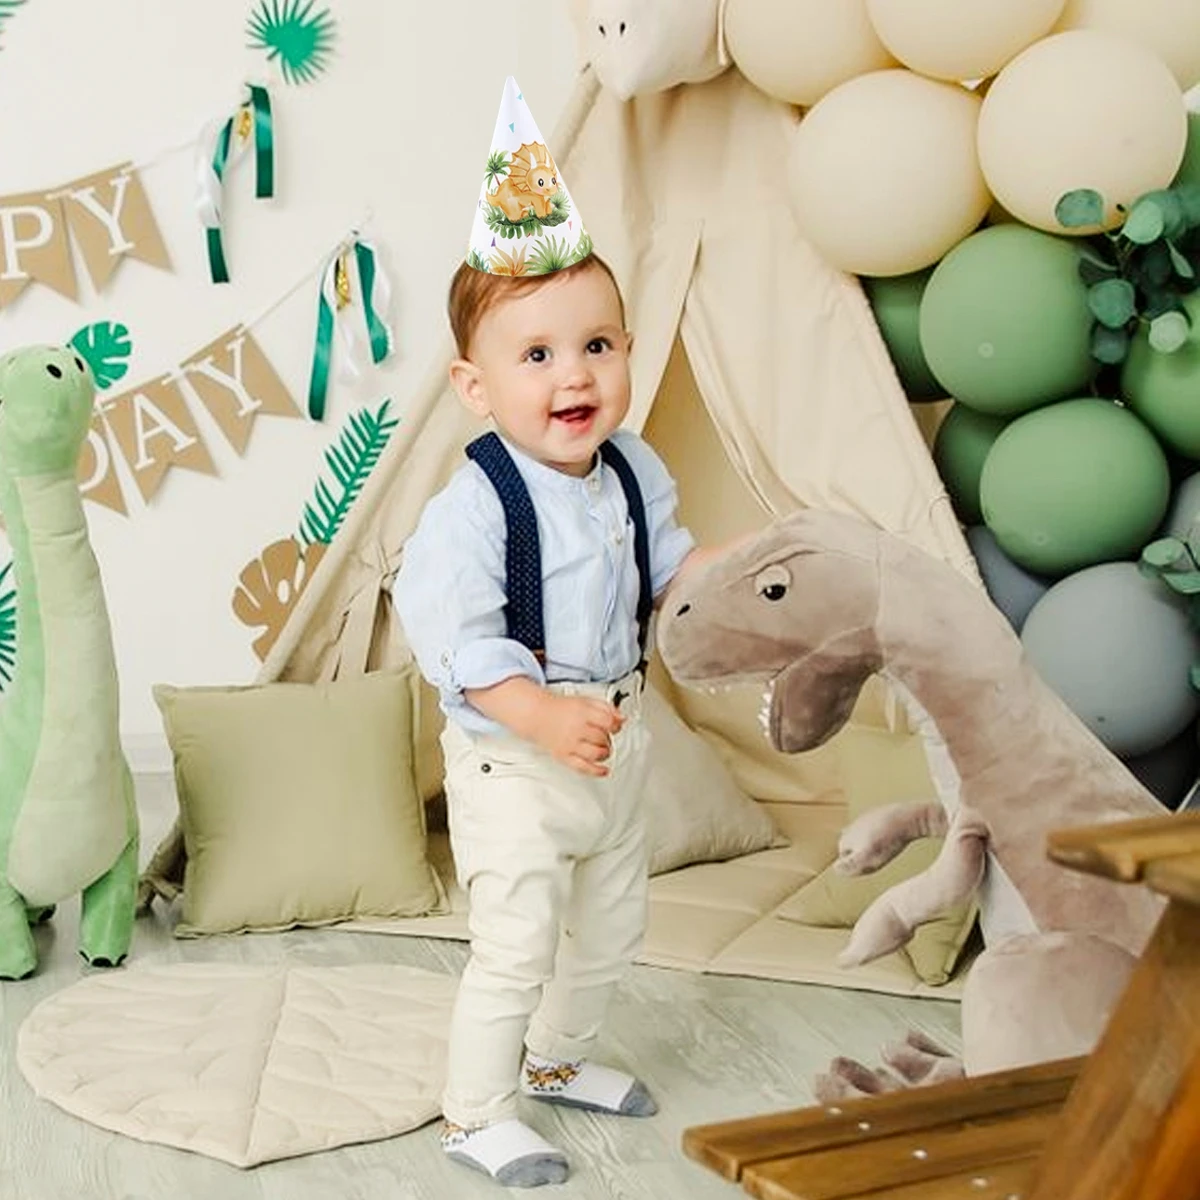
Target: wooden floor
709,1047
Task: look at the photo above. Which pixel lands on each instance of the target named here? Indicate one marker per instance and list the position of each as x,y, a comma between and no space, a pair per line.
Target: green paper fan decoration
104,347
7,8
8,626
351,459
292,33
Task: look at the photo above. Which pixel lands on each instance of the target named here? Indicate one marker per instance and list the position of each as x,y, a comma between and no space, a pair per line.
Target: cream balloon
883,173
1168,28
799,50
1080,110
948,39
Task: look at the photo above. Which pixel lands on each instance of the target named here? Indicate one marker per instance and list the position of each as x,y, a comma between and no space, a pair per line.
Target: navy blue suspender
523,554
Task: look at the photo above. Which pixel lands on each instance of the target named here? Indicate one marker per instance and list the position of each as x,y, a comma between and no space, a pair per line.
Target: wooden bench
1121,1124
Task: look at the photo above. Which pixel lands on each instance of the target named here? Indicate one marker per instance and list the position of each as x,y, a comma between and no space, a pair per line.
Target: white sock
583,1084
509,1151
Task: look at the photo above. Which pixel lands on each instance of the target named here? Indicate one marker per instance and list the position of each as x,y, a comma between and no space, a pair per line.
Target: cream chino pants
554,863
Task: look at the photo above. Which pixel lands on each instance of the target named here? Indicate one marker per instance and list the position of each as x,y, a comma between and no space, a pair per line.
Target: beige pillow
885,768
298,803
695,811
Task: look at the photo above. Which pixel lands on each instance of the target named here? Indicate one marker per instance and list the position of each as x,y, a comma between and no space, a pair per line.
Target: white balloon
799,50
639,46
1168,28
949,39
884,176
1080,110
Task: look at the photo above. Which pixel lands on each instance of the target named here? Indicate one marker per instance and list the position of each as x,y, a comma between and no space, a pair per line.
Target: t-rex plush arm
880,834
954,876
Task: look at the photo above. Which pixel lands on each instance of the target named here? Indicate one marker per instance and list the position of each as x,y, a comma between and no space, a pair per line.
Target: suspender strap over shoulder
522,551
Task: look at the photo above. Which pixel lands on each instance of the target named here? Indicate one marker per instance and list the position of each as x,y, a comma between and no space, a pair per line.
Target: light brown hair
474,293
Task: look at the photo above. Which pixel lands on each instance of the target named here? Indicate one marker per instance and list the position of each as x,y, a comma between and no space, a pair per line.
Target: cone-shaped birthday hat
525,222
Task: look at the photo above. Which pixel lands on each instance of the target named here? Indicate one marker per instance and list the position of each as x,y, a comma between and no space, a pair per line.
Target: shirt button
618,538
445,659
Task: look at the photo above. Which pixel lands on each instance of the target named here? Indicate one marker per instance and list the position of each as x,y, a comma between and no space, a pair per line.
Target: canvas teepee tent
759,375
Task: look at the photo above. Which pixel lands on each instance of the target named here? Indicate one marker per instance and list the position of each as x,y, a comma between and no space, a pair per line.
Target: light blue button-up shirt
450,590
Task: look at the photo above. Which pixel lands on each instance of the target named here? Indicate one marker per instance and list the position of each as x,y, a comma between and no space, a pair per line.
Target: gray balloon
1117,647
1014,590
1185,508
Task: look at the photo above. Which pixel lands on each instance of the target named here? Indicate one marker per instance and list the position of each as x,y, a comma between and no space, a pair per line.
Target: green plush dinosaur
68,822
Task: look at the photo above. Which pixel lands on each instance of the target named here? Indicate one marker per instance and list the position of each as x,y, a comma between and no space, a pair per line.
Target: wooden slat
1177,877
1121,850
1130,1085
1003,1182
1173,1171
730,1146
906,1160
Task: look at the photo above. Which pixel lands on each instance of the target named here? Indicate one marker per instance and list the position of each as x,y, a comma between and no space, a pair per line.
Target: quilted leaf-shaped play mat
244,1063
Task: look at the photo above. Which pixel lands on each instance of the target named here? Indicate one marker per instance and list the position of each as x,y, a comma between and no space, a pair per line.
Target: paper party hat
525,222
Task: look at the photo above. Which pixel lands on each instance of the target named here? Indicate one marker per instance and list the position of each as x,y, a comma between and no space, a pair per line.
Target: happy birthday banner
152,429
108,213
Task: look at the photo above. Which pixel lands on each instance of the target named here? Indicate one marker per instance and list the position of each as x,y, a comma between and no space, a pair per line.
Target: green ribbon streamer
217,267
376,329
264,143
318,382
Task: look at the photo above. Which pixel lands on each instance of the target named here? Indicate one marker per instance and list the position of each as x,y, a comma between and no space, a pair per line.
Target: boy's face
551,368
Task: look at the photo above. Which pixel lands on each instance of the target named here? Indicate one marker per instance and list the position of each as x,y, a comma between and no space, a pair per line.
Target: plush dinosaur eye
53,370
79,364
772,582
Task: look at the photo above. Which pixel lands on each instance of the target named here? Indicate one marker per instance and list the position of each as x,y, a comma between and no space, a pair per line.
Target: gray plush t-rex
812,608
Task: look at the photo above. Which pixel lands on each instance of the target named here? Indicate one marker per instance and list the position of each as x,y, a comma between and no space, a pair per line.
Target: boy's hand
576,730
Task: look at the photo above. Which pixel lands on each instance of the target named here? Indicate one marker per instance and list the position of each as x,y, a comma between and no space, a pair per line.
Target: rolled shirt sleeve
670,542
449,596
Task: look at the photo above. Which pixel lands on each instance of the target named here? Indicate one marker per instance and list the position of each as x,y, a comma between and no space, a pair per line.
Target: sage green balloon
1189,169
896,303
1074,484
1005,324
1117,647
1164,389
963,441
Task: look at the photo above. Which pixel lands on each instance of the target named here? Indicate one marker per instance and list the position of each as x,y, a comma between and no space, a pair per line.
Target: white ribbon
353,333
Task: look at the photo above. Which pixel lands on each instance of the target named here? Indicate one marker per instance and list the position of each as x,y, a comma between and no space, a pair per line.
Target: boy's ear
467,380
628,342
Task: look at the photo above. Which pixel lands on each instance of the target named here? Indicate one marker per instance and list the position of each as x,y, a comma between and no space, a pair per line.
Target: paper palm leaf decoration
104,347
351,459
7,8
8,626
292,33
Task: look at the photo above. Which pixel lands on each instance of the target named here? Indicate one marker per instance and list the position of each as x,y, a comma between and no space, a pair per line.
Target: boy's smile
551,367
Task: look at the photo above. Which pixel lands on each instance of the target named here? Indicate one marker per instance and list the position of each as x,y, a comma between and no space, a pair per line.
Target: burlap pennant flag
155,432
34,247
235,382
110,216
97,475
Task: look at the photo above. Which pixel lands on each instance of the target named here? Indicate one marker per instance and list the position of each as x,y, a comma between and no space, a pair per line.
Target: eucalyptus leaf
1164,553
1189,201
1109,345
1186,583
1145,223
1112,302
1083,206
1169,332
1152,268
1183,268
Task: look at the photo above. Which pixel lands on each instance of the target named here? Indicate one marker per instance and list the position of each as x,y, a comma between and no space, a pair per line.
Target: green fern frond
8,627
583,248
476,260
7,8
550,255
350,460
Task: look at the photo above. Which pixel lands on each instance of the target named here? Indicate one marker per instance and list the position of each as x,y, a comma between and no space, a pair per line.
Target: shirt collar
537,473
